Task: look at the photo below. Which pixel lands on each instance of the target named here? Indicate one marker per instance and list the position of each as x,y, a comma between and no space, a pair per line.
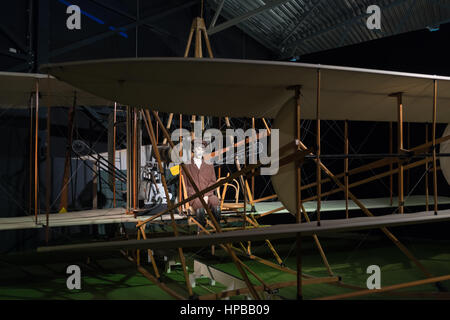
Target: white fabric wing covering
17,88
245,88
445,161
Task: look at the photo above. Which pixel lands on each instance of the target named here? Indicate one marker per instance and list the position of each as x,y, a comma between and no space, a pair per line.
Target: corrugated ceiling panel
297,27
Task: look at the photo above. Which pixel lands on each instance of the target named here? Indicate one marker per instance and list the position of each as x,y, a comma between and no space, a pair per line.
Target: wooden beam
408,141
129,135
169,123
188,46
135,160
48,176
399,150
253,158
274,286
198,27
265,125
244,212
386,289
150,277
149,125
36,160
391,176
114,152
150,253
95,175
157,130
224,192
198,41
426,173
111,150
318,245
346,166
265,262
435,192
160,284
298,172
180,176
255,223
318,171
298,187
205,35
269,212
31,158
274,196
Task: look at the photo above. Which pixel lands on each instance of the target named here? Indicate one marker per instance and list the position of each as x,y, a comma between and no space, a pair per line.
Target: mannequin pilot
203,175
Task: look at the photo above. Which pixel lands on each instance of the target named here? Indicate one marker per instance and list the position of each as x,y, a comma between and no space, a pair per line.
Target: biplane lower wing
274,232
76,218
118,215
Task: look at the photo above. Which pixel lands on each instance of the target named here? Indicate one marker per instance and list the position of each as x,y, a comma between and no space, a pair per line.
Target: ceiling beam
237,20
302,20
216,14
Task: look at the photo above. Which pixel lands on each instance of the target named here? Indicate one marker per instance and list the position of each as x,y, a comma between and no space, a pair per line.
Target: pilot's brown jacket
203,178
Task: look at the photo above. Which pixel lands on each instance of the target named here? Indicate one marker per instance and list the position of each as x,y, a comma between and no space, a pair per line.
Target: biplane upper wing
16,89
273,232
246,88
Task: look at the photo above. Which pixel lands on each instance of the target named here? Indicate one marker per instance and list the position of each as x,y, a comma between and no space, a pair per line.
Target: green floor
350,259
110,276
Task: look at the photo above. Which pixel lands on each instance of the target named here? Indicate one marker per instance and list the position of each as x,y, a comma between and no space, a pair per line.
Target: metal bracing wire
359,149
72,175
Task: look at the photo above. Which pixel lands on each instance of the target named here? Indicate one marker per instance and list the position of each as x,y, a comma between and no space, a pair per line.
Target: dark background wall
421,51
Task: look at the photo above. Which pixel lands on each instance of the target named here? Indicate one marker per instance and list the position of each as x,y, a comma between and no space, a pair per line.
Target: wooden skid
270,287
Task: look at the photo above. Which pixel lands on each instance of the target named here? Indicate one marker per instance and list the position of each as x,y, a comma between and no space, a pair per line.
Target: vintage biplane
284,91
